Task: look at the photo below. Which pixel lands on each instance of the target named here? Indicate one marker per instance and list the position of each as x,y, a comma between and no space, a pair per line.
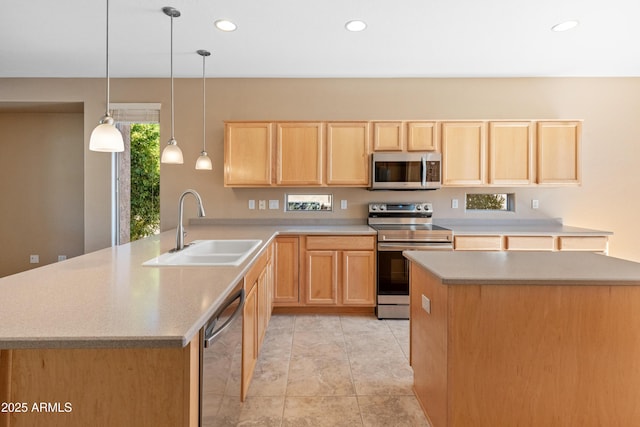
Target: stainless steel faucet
180,232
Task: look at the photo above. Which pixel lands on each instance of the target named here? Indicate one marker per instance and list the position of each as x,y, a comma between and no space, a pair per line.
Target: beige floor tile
312,322
319,343
375,376
269,377
359,323
321,411
262,412
391,411
326,376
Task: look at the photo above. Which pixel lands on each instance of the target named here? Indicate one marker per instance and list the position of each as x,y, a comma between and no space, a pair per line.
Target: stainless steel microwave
406,171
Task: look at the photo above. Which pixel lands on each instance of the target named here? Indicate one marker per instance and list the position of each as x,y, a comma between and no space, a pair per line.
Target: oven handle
414,247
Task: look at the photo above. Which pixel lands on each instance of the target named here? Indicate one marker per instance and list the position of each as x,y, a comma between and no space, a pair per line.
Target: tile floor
333,370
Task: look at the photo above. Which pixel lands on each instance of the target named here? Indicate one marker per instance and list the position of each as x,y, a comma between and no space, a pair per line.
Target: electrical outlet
61,257
274,204
454,203
343,204
252,204
426,304
262,204
34,259
535,204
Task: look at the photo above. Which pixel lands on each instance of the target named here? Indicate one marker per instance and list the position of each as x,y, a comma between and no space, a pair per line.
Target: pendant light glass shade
204,162
172,153
105,137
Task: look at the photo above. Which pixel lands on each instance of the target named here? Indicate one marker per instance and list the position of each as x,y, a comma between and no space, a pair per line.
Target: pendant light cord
204,106
107,66
172,136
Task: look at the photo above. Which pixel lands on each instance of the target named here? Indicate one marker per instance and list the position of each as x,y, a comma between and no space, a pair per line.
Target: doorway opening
137,173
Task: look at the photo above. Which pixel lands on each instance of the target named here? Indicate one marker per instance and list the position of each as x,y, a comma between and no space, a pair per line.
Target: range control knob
383,207
418,207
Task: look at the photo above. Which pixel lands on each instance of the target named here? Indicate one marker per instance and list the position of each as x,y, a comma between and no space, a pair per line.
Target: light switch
343,204
274,204
535,204
426,304
262,204
454,203
252,204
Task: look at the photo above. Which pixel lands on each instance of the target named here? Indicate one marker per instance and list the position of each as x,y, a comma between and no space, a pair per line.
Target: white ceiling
305,38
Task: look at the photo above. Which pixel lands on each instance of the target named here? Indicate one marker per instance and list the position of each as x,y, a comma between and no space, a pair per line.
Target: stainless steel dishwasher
221,363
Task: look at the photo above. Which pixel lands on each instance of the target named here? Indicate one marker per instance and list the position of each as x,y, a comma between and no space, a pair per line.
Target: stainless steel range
402,226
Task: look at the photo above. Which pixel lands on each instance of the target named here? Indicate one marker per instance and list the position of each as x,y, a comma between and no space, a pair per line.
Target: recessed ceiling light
355,25
564,26
225,25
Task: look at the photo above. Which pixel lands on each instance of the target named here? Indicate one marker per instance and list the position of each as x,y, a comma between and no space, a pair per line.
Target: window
308,202
491,202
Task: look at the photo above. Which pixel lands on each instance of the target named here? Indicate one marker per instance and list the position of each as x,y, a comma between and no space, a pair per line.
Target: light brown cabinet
299,154
286,271
405,136
510,160
339,270
558,149
532,242
388,136
258,285
464,153
348,148
248,153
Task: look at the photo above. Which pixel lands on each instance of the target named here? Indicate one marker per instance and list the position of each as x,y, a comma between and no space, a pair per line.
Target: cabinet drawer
477,243
529,243
583,243
341,242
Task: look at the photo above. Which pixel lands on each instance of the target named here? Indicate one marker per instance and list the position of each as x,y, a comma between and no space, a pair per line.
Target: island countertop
108,299
527,268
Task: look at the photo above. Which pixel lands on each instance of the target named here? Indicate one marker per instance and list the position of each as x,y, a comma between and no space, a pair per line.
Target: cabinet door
299,150
358,283
264,308
285,290
248,154
559,152
510,153
321,277
249,339
348,149
422,136
388,136
463,153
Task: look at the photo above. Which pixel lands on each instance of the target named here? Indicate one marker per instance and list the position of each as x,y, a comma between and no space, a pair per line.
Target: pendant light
105,136
171,153
204,162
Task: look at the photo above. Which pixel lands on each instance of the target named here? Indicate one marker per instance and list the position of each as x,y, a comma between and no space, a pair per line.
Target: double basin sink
207,253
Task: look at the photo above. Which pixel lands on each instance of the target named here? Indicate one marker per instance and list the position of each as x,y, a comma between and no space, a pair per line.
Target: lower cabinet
531,243
286,271
339,270
258,285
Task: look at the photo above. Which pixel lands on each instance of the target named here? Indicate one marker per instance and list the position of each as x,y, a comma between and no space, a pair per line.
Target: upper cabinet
478,153
348,148
248,154
559,152
299,154
463,153
510,153
405,136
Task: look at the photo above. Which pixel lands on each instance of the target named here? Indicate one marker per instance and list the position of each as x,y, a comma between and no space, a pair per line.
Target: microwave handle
424,171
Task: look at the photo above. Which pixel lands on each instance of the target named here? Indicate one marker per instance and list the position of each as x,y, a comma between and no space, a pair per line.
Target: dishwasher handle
210,331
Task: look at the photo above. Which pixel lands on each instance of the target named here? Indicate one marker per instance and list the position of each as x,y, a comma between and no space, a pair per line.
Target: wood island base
525,355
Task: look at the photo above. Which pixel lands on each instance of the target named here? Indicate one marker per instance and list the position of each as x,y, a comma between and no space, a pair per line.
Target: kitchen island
525,338
101,339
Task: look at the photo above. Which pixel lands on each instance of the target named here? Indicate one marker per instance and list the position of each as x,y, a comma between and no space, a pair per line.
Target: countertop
108,299
527,268
553,227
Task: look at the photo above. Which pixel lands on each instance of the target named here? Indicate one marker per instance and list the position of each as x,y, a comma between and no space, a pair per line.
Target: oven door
393,277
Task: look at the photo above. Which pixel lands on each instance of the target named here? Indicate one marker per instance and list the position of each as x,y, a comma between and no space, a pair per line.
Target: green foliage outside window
487,201
145,180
